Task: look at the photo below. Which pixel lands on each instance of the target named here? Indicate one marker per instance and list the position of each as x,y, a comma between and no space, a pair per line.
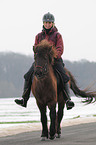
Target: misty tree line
13,66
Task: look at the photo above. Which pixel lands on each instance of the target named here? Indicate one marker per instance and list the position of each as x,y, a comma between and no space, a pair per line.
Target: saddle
60,81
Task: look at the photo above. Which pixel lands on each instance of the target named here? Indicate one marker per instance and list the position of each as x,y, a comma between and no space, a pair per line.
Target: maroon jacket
54,37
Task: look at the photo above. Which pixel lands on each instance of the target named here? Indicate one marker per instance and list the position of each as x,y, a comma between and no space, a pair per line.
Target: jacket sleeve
59,46
36,40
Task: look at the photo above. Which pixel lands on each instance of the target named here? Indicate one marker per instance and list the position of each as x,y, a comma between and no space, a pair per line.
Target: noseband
41,71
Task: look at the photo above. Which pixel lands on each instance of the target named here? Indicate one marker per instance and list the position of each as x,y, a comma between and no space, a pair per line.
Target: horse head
44,55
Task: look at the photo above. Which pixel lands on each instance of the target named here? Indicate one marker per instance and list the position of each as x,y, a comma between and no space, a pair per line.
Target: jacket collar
52,30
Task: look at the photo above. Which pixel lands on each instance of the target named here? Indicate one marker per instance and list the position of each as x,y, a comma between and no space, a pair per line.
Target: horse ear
34,49
50,54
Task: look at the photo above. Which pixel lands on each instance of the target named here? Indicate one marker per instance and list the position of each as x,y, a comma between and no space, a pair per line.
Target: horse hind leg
44,134
59,117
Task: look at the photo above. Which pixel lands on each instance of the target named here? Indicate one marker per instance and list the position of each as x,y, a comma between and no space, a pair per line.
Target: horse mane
45,47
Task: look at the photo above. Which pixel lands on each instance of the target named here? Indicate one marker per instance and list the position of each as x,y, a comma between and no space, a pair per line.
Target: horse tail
90,96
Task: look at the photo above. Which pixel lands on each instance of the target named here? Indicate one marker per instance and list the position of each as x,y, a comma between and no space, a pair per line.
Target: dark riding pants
59,67
29,75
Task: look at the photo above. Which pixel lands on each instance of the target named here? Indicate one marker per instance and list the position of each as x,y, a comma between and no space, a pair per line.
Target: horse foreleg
44,122
59,119
52,123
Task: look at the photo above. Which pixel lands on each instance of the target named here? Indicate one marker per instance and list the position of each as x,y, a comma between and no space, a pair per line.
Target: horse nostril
38,73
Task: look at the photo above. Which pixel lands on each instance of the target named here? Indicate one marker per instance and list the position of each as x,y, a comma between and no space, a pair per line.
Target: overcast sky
21,20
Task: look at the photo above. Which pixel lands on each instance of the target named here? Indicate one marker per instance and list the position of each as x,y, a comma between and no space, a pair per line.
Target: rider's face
48,25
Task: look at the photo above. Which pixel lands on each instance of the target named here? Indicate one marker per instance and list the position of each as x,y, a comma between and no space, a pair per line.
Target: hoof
58,135
44,138
52,137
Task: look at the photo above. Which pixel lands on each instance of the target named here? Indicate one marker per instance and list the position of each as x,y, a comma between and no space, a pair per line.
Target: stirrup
69,104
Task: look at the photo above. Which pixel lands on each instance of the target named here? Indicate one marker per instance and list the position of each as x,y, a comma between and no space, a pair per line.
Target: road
82,134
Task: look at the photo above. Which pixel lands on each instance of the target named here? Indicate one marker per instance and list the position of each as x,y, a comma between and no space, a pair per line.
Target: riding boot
27,87
26,94
66,93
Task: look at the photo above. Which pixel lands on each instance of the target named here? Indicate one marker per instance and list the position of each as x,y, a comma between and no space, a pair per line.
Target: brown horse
46,91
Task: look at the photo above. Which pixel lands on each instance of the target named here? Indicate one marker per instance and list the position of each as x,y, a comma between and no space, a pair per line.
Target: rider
50,33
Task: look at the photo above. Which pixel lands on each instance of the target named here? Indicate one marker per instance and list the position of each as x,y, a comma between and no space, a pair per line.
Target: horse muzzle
40,72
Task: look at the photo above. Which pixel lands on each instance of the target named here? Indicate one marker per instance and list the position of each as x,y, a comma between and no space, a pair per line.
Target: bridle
41,71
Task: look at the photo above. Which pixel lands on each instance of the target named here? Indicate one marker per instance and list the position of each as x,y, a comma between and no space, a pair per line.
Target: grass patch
19,122
76,117
94,115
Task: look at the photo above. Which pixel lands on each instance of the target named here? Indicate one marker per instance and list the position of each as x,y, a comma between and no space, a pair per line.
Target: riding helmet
48,18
